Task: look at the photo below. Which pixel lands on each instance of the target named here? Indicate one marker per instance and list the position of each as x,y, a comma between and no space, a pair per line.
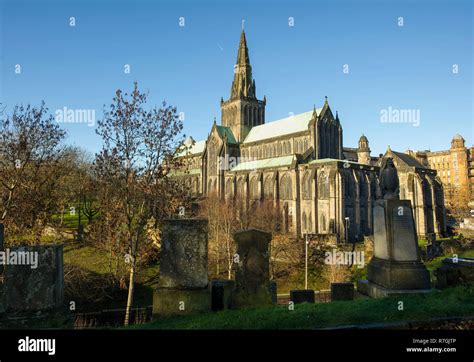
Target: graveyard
396,287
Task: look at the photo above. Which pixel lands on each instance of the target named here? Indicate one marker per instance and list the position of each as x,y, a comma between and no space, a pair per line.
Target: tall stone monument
396,267
183,280
252,277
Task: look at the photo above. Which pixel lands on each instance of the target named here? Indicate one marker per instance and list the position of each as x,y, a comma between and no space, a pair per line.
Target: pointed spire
325,99
243,54
243,85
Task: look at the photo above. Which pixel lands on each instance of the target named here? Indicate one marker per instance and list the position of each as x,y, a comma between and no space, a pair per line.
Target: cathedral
300,164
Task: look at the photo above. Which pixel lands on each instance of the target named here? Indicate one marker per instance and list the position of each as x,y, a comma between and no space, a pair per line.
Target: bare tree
30,148
139,149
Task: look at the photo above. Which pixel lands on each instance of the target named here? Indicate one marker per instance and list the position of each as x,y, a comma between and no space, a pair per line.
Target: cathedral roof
197,147
226,131
293,124
404,158
266,163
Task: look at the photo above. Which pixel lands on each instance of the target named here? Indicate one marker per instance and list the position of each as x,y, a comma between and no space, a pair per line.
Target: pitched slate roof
293,124
406,159
266,163
227,132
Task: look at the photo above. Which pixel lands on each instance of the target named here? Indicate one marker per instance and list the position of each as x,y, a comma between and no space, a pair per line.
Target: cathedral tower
242,110
363,151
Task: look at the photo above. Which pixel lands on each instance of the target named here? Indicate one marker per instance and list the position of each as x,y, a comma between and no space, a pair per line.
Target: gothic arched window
285,188
268,187
228,187
241,188
254,194
307,186
323,186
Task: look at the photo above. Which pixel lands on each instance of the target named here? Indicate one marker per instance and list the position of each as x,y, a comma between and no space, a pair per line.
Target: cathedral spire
243,53
243,85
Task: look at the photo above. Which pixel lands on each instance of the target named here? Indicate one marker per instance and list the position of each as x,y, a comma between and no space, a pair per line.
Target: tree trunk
131,286
62,216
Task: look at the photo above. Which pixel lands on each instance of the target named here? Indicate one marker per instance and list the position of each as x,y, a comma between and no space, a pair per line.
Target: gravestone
252,277
302,296
396,267
34,286
454,271
342,291
183,258
183,281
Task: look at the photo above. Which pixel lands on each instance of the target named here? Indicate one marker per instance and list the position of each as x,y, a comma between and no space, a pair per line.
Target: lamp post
306,263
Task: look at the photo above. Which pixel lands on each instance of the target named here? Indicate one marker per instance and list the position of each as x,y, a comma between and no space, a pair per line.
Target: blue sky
407,67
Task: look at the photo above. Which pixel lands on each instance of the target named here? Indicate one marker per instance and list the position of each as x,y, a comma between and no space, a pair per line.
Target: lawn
452,302
438,261
96,260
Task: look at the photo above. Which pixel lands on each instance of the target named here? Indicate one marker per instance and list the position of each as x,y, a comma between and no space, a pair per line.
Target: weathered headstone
342,291
252,277
302,296
454,271
396,267
183,281
183,258
33,278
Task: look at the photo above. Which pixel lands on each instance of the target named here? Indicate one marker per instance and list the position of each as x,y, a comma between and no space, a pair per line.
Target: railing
111,318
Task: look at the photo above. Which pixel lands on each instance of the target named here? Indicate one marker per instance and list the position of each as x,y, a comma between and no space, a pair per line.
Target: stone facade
299,163
455,166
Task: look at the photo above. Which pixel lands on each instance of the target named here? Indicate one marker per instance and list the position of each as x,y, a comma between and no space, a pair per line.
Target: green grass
97,261
457,301
87,257
438,261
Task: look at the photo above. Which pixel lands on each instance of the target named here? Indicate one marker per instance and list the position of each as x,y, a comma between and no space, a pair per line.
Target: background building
455,166
299,163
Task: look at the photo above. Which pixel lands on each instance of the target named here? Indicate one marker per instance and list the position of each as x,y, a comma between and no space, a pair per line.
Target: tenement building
455,166
299,164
